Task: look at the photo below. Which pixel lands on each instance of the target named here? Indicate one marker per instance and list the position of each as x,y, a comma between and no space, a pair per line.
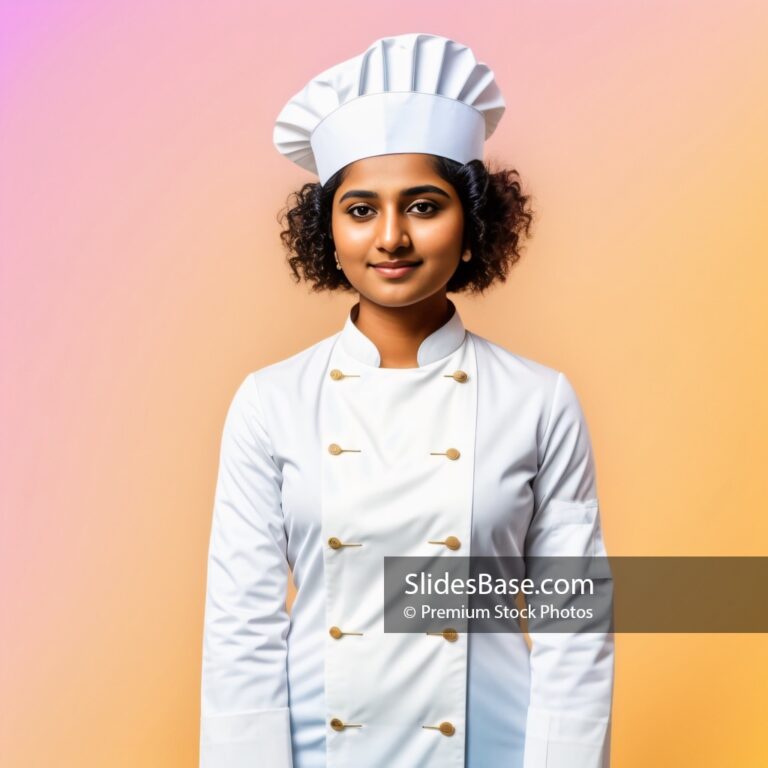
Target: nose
392,232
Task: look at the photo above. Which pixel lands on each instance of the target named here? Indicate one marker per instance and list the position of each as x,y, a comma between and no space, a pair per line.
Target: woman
403,434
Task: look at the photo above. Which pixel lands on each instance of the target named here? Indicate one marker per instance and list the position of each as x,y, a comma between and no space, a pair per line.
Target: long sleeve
244,691
569,713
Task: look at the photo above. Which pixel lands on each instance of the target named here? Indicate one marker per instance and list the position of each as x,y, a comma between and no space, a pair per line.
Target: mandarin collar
440,343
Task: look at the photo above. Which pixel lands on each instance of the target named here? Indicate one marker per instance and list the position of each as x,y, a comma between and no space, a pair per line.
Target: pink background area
142,278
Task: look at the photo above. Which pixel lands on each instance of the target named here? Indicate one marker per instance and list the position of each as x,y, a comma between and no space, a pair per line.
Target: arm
244,692
569,713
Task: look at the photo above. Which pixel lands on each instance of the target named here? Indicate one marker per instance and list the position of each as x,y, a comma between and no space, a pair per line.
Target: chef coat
329,463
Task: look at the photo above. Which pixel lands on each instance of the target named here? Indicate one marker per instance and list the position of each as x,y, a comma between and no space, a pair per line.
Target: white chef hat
409,93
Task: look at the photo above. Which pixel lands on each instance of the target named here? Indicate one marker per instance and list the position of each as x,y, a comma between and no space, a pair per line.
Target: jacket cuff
558,740
261,737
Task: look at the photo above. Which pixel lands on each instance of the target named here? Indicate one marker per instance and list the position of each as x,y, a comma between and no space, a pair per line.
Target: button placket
335,543
448,634
453,543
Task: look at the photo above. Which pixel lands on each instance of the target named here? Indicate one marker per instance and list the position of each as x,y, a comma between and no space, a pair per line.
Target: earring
467,255
336,256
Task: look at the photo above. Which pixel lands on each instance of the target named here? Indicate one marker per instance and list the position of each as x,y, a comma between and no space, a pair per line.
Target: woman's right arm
244,719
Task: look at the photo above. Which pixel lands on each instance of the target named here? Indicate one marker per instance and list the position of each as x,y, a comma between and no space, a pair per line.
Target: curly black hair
496,214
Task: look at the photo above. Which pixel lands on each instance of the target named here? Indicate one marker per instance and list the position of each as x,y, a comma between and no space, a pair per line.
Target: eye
357,208
431,207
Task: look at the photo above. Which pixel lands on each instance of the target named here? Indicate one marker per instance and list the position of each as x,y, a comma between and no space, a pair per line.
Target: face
391,208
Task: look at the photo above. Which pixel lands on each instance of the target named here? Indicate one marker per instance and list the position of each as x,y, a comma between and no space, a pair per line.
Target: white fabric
232,740
524,484
409,93
398,122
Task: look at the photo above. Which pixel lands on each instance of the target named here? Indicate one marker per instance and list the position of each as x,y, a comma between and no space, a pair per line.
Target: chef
334,458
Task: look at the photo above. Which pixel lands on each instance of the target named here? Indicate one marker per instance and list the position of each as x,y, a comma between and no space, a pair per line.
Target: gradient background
142,278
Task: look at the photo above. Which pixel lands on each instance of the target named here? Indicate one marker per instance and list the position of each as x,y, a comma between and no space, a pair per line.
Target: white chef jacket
328,463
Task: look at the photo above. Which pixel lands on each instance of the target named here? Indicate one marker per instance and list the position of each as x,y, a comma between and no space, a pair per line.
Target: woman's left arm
569,713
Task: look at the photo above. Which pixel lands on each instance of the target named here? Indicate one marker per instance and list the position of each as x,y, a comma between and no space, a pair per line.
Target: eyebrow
420,190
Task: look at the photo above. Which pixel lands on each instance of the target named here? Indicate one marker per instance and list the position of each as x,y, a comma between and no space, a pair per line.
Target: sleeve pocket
565,528
560,512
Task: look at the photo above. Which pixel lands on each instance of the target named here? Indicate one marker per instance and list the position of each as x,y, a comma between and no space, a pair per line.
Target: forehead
383,171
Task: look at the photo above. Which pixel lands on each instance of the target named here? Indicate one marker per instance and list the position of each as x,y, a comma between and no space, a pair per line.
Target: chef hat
409,93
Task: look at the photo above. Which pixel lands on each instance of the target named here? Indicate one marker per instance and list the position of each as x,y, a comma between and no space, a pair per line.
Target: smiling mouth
396,270
396,264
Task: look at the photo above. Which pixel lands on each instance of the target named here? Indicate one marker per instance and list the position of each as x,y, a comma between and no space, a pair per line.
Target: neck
398,332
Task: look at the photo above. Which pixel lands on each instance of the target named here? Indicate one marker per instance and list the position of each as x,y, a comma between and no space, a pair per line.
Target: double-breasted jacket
328,464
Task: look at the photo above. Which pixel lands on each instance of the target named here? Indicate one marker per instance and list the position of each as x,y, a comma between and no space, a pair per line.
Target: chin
399,295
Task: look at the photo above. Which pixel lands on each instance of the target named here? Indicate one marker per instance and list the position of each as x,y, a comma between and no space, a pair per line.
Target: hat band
393,122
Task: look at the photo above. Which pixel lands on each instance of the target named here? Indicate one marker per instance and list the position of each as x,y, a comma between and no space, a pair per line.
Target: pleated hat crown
409,93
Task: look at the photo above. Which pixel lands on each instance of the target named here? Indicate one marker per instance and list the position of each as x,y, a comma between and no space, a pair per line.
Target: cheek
439,236
350,235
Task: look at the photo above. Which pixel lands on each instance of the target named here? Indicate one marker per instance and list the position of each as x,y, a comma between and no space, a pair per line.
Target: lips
394,270
395,264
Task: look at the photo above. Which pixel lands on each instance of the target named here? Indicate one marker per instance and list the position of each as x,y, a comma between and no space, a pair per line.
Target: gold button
451,635
335,543
451,542
459,376
451,453
338,725
337,375
445,728
336,633
337,449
